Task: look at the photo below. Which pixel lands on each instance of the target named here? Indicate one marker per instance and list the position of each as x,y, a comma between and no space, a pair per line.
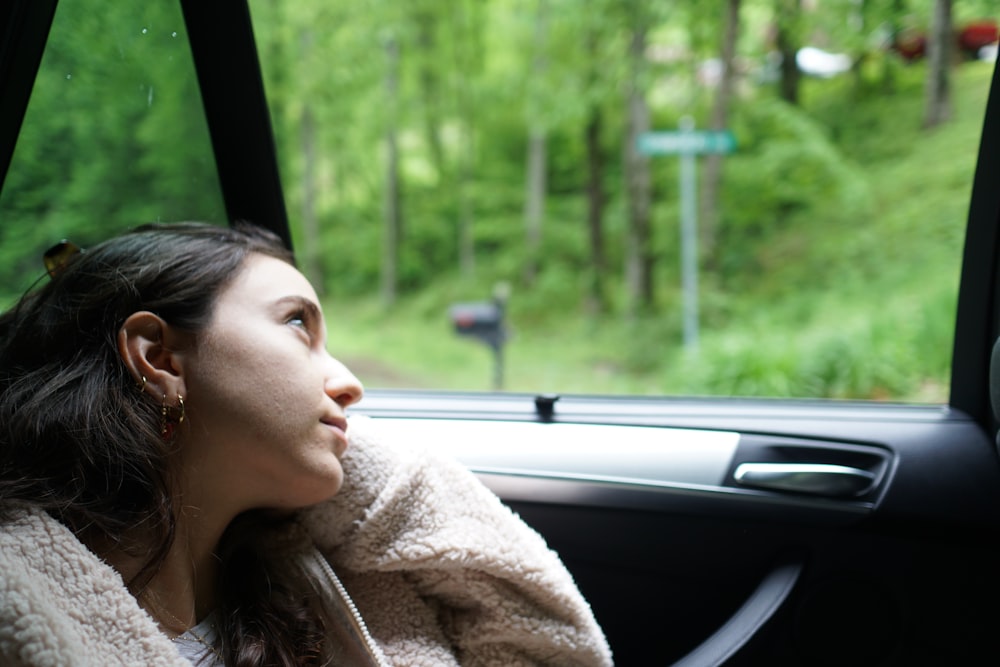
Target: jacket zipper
362,627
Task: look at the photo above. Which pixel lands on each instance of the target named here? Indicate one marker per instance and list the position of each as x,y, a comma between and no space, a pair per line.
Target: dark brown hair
80,441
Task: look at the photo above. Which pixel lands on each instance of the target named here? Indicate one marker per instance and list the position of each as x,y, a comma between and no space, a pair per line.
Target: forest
436,152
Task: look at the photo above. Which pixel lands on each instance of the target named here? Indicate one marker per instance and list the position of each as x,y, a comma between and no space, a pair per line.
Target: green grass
841,305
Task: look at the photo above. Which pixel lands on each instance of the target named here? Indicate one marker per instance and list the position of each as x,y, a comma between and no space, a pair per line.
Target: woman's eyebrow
311,307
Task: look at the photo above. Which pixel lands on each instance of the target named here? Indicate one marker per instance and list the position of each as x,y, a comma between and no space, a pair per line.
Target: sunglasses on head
58,256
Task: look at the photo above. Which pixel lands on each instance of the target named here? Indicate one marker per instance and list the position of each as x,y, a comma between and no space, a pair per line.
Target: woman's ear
151,349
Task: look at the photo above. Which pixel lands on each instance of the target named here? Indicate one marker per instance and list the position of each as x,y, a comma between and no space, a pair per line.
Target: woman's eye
298,320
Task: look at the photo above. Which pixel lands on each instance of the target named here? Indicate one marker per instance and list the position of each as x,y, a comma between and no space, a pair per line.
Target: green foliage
847,291
114,135
840,226
786,171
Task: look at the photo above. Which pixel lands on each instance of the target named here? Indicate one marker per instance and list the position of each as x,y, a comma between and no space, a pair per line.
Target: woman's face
265,400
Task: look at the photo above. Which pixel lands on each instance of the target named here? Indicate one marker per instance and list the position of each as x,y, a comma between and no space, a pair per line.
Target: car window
442,158
554,196
114,136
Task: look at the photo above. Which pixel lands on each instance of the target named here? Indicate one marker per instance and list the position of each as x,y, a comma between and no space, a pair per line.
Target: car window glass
448,164
114,136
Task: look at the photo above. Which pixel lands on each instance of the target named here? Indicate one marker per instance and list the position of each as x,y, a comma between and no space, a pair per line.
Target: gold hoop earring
141,386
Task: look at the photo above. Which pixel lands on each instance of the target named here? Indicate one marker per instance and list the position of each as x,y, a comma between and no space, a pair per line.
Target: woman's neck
181,592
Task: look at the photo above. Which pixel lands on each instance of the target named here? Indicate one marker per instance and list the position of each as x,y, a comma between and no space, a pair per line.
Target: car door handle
822,479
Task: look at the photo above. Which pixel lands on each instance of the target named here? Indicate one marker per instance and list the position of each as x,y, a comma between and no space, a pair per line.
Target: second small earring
171,417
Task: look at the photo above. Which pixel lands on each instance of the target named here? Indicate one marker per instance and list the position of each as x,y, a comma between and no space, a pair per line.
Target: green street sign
690,142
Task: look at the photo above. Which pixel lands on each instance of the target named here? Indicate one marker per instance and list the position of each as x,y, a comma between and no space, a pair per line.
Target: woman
174,486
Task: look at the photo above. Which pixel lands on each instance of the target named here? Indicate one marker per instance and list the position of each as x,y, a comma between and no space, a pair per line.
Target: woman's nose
342,386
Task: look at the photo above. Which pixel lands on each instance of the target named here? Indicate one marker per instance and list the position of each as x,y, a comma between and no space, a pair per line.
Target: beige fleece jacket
442,572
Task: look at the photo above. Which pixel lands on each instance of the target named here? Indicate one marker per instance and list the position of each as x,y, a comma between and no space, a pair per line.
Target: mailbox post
484,321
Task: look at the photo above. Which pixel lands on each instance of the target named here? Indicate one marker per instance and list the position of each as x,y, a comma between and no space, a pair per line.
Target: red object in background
912,44
976,35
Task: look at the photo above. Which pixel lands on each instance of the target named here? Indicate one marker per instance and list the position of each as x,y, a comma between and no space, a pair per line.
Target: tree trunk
788,14
639,256
938,91
463,184
597,302
393,216
310,225
465,55
595,210
535,181
712,169
430,87
534,201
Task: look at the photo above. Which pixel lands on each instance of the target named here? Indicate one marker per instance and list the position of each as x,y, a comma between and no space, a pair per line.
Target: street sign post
686,143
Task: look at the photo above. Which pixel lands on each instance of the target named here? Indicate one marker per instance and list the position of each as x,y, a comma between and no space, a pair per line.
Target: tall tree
321,78
788,40
537,159
427,55
599,81
596,199
310,222
467,62
393,221
638,247
712,173
310,252
939,54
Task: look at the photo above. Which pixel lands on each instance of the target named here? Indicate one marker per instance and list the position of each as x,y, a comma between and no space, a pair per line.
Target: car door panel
668,546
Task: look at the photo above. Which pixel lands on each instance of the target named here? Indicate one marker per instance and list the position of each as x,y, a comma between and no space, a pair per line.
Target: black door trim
976,321
232,91
25,30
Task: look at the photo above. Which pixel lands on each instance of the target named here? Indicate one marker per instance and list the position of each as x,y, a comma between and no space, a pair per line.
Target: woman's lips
339,427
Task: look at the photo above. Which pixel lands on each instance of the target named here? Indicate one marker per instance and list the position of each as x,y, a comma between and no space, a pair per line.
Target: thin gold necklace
159,612
201,639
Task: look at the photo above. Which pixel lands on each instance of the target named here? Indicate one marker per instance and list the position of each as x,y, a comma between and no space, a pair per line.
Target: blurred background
804,240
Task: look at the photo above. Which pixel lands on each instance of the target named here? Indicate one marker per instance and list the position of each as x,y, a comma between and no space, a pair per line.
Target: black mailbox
482,320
